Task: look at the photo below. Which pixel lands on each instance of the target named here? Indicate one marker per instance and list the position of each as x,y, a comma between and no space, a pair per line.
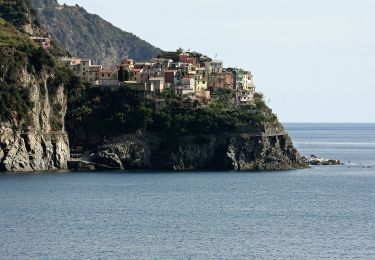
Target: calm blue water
323,212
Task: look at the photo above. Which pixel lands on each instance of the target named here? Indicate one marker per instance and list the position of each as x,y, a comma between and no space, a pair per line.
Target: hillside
89,36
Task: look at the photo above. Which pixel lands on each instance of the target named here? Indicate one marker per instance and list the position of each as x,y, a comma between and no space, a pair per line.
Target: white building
214,66
161,63
158,83
186,88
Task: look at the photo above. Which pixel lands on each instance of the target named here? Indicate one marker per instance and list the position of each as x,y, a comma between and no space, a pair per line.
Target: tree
126,75
123,74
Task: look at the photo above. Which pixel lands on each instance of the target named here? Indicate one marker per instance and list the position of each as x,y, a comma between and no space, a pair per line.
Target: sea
325,212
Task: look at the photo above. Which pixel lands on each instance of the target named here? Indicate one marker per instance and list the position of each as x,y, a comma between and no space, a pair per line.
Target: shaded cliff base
223,152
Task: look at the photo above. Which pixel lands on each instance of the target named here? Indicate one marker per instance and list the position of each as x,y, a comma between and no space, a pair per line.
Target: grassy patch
10,36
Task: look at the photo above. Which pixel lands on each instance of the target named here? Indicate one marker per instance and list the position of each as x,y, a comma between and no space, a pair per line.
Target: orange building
223,79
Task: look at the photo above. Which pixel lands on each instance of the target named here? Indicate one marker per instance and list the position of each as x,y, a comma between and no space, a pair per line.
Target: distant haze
314,60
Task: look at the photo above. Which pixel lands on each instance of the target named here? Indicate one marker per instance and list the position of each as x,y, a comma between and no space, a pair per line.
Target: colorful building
222,80
170,76
243,82
200,83
185,58
85,70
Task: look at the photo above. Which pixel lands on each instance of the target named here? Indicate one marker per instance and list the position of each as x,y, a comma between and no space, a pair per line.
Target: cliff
225,151
89,36
131,134
32,101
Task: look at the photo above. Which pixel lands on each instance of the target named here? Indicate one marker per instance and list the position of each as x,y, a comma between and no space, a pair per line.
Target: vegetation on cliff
94,112
32,99
89,36
175,55
20,55
17,12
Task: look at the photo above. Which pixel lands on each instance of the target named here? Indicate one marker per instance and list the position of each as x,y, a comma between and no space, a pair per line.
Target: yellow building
200,83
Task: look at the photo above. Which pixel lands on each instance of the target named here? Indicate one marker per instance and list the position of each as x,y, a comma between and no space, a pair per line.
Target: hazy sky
313,60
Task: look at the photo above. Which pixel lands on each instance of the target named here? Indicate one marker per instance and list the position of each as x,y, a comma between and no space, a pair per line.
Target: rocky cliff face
228,151
32,102
39,145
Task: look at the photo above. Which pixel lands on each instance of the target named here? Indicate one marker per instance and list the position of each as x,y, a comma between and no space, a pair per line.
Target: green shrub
14,103
39,58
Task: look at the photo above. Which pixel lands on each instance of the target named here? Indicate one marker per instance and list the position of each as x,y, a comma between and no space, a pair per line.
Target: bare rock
17,158
315,160
107,159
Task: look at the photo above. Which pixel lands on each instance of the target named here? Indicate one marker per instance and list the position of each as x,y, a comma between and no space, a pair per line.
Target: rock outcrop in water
315,160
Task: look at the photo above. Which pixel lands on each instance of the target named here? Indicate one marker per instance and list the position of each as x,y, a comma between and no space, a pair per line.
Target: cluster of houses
187,77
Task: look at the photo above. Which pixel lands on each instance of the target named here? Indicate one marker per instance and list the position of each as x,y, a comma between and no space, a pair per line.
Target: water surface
323,212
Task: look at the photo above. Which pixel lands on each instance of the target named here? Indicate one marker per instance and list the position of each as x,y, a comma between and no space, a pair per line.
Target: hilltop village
189,75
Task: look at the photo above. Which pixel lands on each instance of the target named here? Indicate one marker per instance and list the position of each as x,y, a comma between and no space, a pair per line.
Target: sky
313,60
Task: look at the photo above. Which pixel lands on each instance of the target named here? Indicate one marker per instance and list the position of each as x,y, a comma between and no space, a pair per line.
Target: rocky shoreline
315,160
